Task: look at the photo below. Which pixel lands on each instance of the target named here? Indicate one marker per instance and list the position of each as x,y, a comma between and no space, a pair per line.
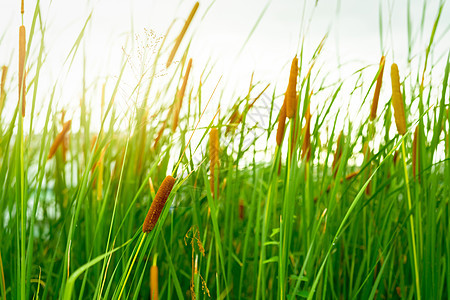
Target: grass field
183,198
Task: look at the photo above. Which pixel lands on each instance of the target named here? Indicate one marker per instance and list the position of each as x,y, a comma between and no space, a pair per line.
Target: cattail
241,209
22,90
337,155
351,175
2,88
291,91
154,293
158,204
306,147
415,151
181,35
158,137
59,138
397,101
233,121
214,156
376,95
281,123
22,8
180,95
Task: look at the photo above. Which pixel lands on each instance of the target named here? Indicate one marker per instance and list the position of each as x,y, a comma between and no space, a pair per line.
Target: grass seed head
59,139
2,88
22,52
154,292
214,155
181,35
158,204
376,95
397,101
291,92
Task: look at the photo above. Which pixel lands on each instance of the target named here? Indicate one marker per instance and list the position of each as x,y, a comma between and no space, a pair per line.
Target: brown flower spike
158,204
397,101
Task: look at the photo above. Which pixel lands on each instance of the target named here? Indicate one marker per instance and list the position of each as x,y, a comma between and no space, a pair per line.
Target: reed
59,139
154,291
376,95
214,158
281,123
306,146
2,88
181,35
337,155
415,152
22,53
179,97
291,91
158,204
397,101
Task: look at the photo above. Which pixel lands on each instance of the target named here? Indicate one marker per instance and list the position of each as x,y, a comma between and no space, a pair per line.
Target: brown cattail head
291,91
281,123
233,121
179,97
22,52
181,35
415,152
306,147
158,204
214,156
59,139
154,293
241,209
351,175
376,95
397,101
2,88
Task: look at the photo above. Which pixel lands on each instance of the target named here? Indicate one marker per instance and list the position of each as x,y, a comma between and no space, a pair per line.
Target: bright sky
219,31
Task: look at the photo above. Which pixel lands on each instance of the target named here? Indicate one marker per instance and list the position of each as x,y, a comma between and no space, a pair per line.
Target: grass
328,213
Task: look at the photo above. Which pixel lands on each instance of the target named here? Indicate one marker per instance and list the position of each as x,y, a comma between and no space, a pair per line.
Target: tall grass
331,213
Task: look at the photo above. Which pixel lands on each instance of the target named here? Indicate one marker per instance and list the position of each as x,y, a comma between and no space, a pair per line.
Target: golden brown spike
22,8
376,95
281,123
415,151
2,88
59,139
291,91
154,293
233,121
397,101
179,97
158,204
214,157
22,52
351,175
181,35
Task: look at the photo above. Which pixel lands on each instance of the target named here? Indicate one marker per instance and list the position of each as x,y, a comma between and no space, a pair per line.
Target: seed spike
22,52
291,91
214,157
158,204
59,139
181,35
376,95
397,101
281,123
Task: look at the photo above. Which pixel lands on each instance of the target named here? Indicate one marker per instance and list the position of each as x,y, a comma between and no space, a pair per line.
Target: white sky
353,41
